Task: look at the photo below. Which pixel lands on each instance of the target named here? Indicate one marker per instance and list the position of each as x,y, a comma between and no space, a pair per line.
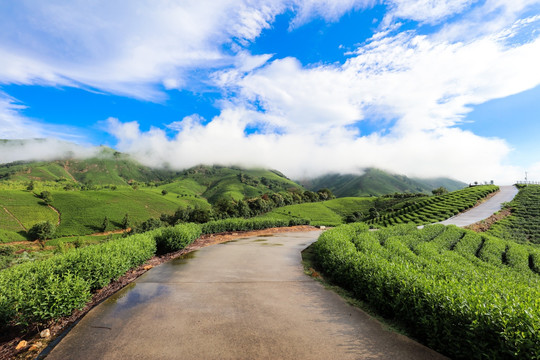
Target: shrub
42,231
176,238
35,292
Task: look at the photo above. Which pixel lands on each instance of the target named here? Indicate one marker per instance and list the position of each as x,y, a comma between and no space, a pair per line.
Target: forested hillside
375,182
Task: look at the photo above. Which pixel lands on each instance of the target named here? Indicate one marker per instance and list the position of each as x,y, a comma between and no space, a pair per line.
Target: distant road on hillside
484,210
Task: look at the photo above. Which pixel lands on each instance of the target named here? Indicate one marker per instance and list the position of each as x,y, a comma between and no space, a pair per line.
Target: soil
35,344
485,225
56,211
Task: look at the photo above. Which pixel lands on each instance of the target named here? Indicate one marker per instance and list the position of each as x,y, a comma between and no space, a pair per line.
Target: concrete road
247,299
484,210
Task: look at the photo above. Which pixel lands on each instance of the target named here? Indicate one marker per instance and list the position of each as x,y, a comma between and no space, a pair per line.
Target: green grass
26,207
7,236
83,211
328,213
186,187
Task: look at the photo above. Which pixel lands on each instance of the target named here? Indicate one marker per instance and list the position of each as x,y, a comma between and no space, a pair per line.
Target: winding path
245,299
484,210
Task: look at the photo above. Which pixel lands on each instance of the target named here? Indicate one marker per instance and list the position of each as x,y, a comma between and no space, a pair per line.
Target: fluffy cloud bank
414,89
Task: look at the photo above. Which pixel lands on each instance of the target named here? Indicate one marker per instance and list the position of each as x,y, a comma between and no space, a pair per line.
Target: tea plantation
523,225
466,295
436,208
328,213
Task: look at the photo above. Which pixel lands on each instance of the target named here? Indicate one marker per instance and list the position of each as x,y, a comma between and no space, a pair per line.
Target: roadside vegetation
466,295
435,208
36,292
523,225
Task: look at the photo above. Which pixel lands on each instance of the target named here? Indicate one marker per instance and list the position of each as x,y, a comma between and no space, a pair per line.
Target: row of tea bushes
466,295
240,224
435,208
34,292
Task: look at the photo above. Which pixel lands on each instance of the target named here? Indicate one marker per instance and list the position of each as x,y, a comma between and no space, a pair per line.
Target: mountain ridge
376,182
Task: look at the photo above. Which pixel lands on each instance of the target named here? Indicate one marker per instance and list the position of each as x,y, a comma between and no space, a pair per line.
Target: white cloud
427,85
123,49
445,152
306,116
330,10
425,11
43,149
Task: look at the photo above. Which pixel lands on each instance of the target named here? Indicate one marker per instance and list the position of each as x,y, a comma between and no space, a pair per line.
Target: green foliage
46,196
328,213
375,182
523,225
433,209
6,256
126,222
105,224
35,292
42,231
147,225
83,211
25,207
239,224
176,238
439,191
7,236
466,296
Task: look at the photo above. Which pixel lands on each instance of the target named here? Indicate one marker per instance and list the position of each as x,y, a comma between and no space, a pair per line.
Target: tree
325,194
42,231
126,222
46,196
105,224
30,186
439,191
164,192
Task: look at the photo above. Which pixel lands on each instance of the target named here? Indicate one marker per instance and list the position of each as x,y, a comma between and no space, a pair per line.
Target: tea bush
465,295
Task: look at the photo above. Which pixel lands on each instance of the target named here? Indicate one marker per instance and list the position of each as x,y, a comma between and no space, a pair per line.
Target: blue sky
418,87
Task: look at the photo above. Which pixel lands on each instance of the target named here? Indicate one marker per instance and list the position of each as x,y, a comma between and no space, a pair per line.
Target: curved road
484,210
246,299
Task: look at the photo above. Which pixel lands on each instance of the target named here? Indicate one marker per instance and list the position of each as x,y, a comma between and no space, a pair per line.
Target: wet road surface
246,299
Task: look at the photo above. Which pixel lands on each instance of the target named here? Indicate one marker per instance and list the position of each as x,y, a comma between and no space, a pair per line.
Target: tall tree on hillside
126,222
105,224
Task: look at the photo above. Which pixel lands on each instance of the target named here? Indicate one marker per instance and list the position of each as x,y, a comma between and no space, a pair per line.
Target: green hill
108,168
214,182
375,182
112,184
329,213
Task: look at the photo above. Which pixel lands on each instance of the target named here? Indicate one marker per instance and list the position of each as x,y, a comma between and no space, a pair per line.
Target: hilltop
376,182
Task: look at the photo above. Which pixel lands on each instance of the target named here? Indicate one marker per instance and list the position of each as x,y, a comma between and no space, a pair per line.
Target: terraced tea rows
466,295
435,208
524,223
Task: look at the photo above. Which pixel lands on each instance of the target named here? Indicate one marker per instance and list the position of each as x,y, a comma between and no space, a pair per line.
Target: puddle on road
181,260
266,235
228,242
271,244
259,240
132,296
